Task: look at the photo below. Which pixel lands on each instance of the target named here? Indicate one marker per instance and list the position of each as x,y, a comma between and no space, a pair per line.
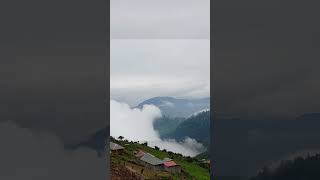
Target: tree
156,147
189,159
171,154
120,137
306,168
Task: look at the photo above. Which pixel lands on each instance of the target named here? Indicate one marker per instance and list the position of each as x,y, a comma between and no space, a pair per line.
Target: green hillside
166,125
196,127
192,168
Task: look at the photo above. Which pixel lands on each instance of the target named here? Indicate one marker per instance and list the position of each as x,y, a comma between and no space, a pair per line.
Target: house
151,162
171,167
116,148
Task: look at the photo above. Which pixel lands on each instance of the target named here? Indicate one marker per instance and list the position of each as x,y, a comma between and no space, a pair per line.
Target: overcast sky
143,68
159,48
160,19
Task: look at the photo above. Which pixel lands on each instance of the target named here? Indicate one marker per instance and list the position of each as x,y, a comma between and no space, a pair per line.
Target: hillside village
132,160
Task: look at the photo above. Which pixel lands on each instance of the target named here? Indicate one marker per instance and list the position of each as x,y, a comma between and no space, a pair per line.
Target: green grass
195,170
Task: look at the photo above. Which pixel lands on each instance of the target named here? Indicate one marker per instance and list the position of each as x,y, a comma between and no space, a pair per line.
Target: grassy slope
189,165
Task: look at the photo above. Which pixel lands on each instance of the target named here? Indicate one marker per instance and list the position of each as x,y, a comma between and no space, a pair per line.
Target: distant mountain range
249,137
196,127
180,118
174,107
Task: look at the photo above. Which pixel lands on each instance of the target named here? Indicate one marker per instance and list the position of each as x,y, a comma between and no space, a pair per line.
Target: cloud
166,67
133,124
187,147
137,125
160,19
35,155
202,110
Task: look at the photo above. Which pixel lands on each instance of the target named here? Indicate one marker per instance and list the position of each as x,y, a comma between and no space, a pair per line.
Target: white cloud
141,69
133,124
160,19
188,147
137,125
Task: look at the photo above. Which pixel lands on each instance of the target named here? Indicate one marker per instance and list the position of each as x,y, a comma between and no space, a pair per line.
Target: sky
146,68
53,83
165,19
159,48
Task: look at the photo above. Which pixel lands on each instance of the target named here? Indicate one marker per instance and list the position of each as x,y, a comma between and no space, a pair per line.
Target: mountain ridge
177,107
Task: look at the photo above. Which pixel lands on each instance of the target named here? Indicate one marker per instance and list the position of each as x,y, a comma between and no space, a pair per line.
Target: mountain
174,113
166,125
174,107
204,155
196,127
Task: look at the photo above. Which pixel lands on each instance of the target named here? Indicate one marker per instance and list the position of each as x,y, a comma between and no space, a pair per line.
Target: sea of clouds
136,124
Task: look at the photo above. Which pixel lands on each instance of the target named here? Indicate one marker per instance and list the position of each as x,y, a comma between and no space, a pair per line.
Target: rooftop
150,159
170,163
114,146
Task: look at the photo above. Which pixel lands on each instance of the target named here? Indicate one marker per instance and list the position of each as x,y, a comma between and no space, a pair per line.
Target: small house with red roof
171,167
151,162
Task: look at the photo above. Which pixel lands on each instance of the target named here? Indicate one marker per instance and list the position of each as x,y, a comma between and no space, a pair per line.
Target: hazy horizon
154,67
